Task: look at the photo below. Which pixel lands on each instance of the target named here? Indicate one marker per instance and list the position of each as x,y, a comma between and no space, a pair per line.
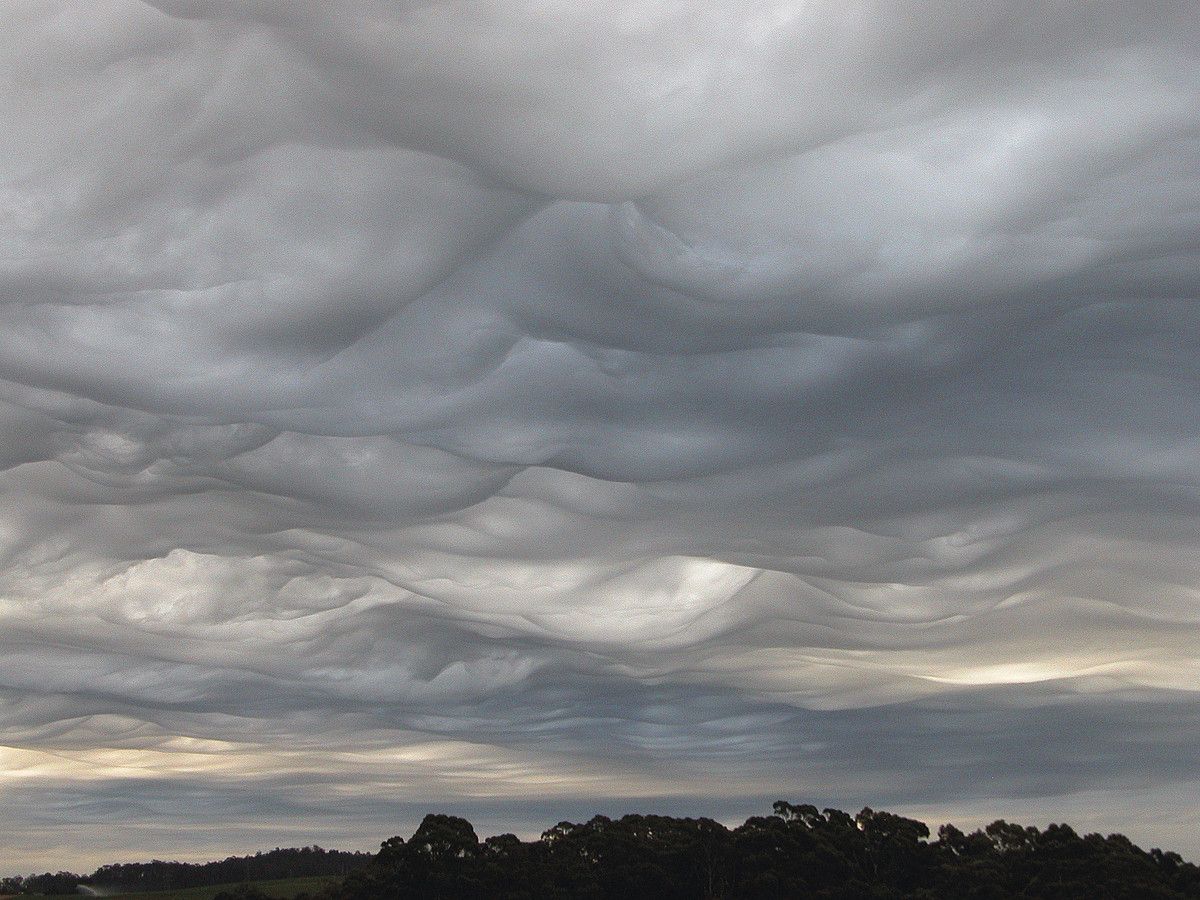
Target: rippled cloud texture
531,409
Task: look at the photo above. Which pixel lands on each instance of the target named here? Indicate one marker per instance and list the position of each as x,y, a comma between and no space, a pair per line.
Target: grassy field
284,889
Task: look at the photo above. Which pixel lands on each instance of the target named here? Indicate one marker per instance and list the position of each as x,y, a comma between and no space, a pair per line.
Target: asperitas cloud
529,408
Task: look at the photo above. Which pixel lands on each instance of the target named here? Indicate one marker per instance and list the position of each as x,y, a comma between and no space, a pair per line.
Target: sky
527,410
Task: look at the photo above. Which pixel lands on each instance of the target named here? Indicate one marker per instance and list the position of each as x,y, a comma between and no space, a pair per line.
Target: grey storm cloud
530,409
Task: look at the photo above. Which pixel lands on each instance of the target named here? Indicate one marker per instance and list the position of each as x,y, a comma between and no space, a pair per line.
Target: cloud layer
520,409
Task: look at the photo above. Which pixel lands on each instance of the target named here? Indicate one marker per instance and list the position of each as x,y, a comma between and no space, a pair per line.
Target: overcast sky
531,409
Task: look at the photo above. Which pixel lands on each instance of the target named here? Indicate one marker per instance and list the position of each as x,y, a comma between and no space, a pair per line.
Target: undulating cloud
527,410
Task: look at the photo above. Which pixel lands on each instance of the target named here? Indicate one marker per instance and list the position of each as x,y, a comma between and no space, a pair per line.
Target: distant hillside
296,862
278,889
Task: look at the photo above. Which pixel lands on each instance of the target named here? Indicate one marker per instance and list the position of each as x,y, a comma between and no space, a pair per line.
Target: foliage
798,851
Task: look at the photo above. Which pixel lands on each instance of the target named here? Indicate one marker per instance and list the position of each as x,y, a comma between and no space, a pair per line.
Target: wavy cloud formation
530,409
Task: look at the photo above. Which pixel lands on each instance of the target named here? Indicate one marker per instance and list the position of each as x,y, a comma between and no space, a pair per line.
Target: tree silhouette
797,851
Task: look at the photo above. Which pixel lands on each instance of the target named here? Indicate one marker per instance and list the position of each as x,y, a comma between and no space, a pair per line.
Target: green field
284,889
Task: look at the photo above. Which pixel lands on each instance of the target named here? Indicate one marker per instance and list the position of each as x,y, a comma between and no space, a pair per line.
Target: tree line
798,851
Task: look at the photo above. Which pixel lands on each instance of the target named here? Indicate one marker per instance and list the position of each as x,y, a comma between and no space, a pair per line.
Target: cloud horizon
540,410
